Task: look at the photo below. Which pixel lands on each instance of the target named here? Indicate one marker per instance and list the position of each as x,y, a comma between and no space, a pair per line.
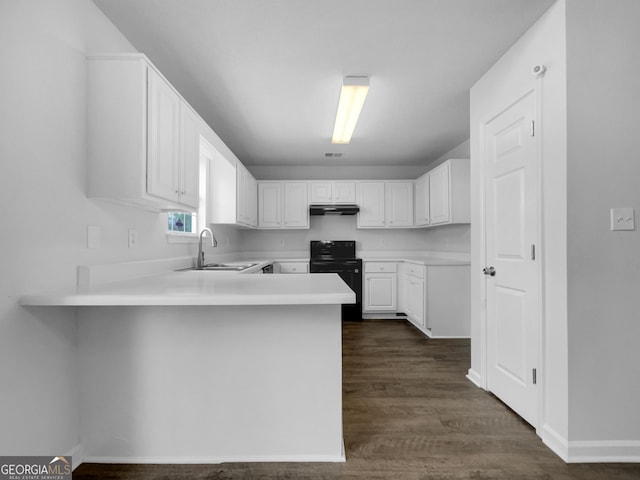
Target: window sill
182,238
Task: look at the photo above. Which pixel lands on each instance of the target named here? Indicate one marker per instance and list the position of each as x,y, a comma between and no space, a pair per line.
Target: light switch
133,238
93,236
622,219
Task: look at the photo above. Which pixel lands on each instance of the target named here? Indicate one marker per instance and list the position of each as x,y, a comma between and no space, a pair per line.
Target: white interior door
511,216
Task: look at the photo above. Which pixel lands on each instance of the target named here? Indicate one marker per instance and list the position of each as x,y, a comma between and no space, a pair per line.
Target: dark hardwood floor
409,413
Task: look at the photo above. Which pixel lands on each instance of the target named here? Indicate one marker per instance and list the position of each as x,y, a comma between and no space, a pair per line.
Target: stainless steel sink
224,267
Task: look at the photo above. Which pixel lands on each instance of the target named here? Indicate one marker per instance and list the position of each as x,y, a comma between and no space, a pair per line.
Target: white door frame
534,86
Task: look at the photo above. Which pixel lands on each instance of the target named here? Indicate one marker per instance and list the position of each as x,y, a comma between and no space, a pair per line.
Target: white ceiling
266,74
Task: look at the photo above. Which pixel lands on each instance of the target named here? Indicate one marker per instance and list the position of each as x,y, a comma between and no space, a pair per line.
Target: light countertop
204,288
417,259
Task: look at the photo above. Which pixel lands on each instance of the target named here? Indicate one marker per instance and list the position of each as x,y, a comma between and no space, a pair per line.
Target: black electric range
339,256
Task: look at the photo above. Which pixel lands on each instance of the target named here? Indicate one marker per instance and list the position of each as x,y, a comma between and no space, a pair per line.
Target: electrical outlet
133,238
622,219
382,242
282,242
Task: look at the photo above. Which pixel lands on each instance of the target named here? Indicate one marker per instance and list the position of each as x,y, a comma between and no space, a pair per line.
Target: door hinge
535,376
533,128
533,251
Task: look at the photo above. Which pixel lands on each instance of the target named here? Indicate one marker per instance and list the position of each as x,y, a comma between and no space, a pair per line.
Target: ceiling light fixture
352,96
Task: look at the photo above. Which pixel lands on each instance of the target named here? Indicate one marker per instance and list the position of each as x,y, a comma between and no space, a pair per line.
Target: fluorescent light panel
352,96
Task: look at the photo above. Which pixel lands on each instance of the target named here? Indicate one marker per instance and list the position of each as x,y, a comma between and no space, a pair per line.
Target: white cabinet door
340,192
163,138
399,204
371,202
269,205
189,158
251,199
320,192
296,205
439,207
422,201
243,195
380,292
414,299
344,192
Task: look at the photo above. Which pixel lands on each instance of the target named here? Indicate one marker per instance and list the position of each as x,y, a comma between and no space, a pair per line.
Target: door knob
489,271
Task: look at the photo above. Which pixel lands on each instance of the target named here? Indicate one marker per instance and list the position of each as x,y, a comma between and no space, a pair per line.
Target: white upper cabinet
296,205
190,156
399,204
269,205
320,192
422,201
385,204
344,192
439,208
443,194
163,138
283,205
338,192
143,138
247,197
232,193
371,203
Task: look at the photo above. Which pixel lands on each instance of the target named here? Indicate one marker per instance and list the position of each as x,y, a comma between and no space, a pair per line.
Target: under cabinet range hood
324,209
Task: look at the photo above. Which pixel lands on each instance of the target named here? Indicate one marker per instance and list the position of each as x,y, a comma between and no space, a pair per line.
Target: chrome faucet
214,243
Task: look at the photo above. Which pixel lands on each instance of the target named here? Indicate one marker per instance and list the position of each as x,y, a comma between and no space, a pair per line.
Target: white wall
544,43
591,373
359,172
452,238
603,266
42,186
309,172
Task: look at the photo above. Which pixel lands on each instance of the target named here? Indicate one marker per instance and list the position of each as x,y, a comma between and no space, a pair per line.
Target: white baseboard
217,460
76,456
474,377
591,451
604,451
556,442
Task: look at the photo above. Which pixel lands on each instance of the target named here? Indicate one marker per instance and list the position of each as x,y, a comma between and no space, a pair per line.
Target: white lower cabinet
414,293
448,301
380,287
437,299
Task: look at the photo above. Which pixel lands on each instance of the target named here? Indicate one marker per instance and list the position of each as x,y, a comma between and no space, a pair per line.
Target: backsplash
450,238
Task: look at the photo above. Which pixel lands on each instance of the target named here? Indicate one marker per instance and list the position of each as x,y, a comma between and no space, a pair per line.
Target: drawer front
415,270
294,267
380,267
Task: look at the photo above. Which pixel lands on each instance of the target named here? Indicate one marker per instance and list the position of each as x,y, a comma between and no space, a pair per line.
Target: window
180,222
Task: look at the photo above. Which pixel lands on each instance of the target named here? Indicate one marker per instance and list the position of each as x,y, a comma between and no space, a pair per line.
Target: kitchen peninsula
203,367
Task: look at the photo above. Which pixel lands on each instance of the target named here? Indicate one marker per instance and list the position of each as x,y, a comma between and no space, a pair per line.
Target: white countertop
150,283
418,259
204,288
